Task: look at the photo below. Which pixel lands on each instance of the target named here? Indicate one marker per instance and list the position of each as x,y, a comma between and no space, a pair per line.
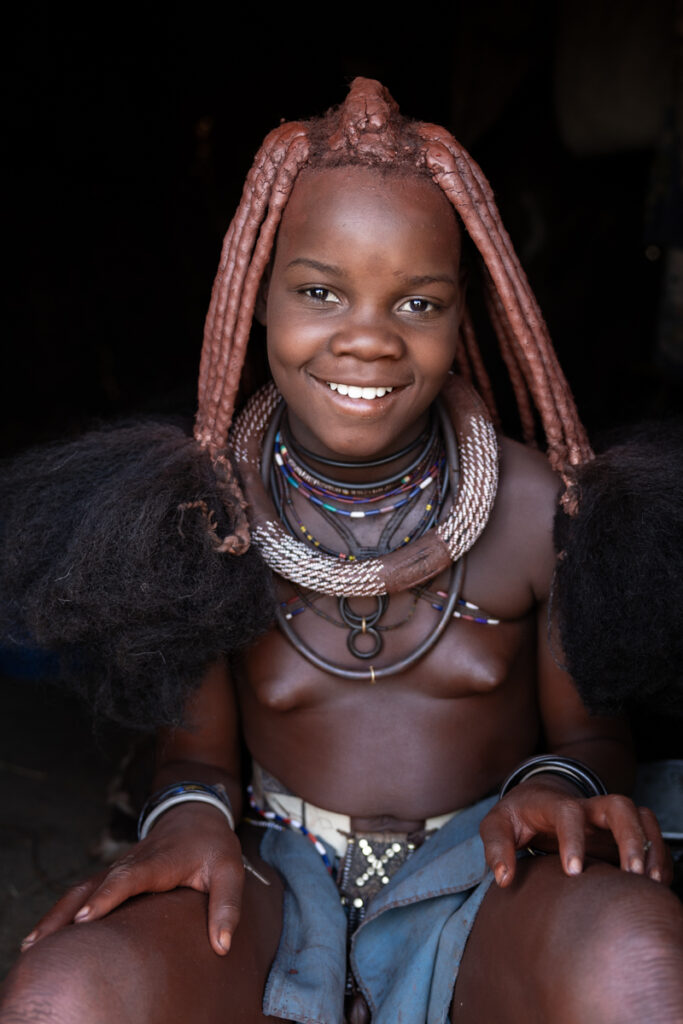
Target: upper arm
210,735
568,727
605,743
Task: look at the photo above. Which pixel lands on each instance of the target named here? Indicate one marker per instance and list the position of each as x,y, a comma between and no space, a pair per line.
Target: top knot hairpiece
369,130
366,122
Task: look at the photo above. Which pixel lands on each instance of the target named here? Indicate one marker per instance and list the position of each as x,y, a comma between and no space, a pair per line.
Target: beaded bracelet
180,793
583,777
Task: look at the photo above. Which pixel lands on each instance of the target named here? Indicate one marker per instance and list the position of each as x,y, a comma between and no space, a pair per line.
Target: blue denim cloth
406,953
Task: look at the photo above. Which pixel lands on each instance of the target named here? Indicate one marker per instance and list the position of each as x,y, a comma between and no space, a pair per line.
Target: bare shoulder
527,483
517,541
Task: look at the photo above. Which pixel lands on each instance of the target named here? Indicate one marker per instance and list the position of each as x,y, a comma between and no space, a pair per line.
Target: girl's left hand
545,812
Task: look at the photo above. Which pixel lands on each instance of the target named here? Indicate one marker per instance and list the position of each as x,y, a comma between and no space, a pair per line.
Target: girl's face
363,307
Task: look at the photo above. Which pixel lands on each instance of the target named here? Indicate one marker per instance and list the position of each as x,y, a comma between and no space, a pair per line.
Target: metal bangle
181,793
583,777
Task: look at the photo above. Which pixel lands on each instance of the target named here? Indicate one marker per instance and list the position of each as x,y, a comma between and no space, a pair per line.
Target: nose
368,337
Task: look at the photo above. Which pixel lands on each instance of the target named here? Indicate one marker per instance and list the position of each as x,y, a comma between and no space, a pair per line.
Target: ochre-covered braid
464,184
367,130
243,262
513,357
473,358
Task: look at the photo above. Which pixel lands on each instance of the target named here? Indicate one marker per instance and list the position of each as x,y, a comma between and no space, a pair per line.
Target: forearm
207,749
610,757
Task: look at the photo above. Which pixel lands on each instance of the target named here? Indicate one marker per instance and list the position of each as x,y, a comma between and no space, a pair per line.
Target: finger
225,904
129,877
570,827
64,910
500,845
619,815
658,860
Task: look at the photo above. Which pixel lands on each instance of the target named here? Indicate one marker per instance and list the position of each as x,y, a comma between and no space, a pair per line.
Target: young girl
409,672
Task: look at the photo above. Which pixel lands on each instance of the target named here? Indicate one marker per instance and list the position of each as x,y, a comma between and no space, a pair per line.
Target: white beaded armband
181,793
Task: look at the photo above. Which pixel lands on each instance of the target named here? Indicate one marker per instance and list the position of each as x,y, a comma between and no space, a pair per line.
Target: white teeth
355,391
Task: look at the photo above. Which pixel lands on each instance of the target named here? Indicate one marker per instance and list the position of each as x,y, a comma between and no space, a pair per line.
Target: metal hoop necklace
364,625
409,566
426,477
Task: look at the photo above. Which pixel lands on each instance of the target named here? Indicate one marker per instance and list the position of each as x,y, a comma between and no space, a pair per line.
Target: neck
336,470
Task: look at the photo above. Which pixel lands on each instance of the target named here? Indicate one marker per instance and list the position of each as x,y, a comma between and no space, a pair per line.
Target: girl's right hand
191,845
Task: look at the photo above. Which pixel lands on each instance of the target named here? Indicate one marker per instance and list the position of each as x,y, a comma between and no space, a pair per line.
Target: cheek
436,357
284,354
288,339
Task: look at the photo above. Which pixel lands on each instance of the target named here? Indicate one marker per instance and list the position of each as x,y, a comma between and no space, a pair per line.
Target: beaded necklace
424,443
473,469
427,474
317,494
434,478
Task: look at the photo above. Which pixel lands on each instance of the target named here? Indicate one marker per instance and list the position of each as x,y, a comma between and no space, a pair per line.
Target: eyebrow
418,281
324,268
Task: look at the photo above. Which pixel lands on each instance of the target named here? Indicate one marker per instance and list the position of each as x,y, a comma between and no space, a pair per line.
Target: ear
261,307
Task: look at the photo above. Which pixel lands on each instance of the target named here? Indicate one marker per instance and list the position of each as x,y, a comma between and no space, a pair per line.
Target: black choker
296,446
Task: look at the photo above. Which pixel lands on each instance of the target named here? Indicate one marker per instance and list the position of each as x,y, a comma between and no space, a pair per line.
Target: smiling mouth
356,391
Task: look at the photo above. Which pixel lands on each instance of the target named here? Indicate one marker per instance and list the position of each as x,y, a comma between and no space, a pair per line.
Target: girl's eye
319,294
418,306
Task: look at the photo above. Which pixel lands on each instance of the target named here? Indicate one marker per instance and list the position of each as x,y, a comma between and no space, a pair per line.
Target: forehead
332,206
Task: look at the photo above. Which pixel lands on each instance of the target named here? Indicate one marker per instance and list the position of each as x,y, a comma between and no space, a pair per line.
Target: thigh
150,961
605,946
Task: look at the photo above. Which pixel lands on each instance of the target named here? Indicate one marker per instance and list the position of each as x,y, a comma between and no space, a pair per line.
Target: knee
62,980
631,963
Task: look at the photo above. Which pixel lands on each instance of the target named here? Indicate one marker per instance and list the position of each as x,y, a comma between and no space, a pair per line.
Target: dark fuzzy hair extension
619,577
109,558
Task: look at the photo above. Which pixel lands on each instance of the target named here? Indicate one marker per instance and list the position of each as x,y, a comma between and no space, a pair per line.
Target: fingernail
29,940
500,873
224,940
656,875
635,865
574,866
82,914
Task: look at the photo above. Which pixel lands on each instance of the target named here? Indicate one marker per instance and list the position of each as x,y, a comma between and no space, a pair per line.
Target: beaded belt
272,800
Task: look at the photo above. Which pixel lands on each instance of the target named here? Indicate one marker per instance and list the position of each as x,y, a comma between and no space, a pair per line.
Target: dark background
131,130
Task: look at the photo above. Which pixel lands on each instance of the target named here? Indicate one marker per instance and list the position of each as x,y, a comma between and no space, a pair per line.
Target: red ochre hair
368,130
